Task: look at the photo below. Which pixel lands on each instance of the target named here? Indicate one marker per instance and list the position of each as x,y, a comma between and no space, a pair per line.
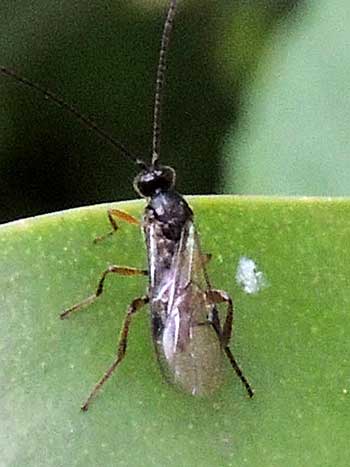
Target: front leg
114,214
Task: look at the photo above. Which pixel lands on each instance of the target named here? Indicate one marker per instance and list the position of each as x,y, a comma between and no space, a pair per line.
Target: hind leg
216,297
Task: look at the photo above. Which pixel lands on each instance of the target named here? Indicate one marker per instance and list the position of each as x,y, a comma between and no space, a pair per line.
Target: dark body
188,336
187,345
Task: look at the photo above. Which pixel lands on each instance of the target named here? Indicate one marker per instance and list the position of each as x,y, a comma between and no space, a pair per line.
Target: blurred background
257,98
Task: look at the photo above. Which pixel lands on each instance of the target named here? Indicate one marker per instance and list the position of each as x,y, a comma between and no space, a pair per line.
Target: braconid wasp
188,335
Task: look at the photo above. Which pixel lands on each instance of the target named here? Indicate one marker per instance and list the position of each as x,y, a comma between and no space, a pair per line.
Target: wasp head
154,179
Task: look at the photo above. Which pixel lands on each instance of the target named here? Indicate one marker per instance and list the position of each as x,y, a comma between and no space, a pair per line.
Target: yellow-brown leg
121,270
114,214
216,297
135,305
206,257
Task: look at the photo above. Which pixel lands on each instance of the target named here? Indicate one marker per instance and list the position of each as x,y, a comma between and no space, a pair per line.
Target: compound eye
146,183
143,184
167,177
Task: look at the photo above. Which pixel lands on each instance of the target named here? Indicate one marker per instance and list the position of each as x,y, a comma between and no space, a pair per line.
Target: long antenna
168,27
62,103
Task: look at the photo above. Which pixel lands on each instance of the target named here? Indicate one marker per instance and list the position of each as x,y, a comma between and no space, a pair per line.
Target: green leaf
291,338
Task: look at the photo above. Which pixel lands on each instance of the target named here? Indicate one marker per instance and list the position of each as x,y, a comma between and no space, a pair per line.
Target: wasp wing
188,347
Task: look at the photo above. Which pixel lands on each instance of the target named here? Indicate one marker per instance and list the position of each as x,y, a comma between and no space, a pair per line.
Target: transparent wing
188,345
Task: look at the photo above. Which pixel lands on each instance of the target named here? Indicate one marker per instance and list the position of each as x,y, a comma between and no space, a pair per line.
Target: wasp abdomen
189,350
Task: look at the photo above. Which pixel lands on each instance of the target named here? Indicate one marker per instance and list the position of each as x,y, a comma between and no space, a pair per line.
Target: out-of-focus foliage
294,134
102,57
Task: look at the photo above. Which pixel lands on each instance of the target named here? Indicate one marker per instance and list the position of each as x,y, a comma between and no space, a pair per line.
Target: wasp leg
117,214
206,257
135,305
224,334
122,270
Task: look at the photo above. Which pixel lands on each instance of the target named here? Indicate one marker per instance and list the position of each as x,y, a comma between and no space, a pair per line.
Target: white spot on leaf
249,277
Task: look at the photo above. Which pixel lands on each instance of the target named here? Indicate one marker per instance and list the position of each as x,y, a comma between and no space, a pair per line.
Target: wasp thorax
154,180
